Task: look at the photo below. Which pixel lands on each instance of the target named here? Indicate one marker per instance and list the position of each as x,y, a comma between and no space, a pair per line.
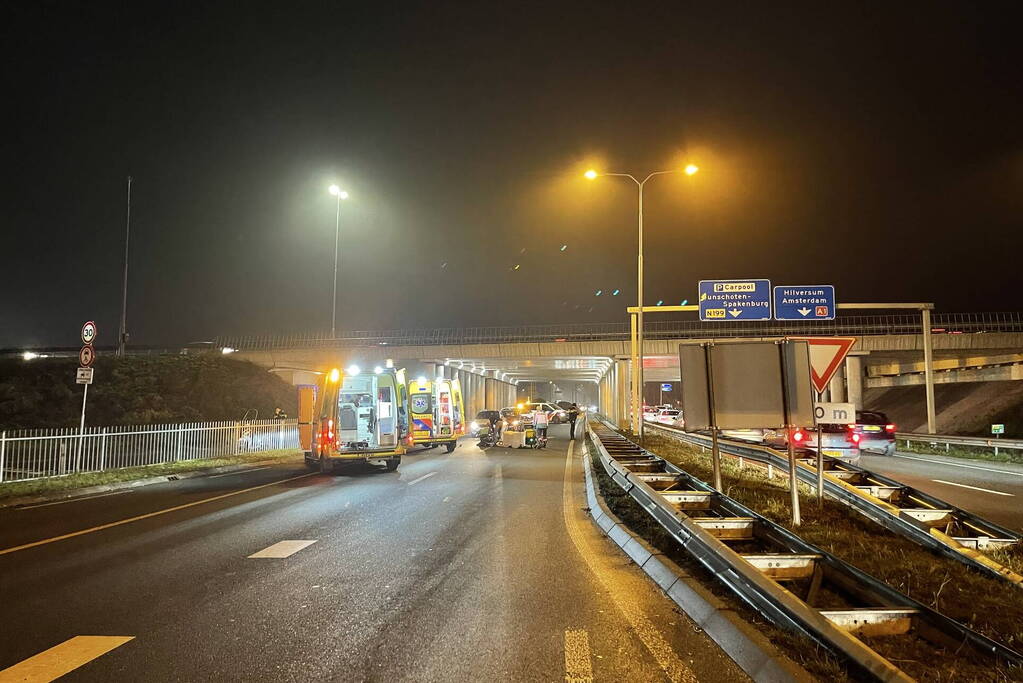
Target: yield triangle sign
826,356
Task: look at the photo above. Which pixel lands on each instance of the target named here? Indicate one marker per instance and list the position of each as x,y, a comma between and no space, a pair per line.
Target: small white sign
84,376
834,413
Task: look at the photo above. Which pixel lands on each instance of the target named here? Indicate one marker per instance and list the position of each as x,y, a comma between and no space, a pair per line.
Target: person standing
540,423
573,415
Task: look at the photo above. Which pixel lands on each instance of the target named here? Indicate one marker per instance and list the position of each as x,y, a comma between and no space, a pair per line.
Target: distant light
684,302
353,369
660,302
590,174
517,266
378,370
564,247
338,192
227,349
28,355
615,293
599,292
692,169
390,363
335,375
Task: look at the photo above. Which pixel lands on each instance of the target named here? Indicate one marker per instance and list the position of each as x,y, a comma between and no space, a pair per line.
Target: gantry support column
854,381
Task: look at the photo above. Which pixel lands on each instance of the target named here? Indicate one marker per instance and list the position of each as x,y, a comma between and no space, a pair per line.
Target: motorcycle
486,435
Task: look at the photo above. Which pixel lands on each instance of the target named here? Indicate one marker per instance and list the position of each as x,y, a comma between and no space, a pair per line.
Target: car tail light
855,438
798,436
890,429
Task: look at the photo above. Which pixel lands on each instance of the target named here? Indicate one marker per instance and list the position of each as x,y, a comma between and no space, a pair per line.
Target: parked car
876,431
837,441
668,416
649,413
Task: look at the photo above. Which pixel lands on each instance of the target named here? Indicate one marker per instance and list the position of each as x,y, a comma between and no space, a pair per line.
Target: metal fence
981,442
856,325
38,453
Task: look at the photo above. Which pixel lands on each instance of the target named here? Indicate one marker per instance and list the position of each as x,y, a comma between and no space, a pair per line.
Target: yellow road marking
577,657
663,653
51,664
109,525
281,549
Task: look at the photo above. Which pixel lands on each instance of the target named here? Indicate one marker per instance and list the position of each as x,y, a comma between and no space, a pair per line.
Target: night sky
875,146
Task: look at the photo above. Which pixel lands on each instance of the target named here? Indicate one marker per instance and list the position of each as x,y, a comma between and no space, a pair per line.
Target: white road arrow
735,312
803,311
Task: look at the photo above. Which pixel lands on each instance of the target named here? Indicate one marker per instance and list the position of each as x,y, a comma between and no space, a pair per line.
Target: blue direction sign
735,300
804,302
665,387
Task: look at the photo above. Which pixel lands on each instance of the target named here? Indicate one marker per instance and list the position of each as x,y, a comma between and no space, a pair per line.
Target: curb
130,484
747,647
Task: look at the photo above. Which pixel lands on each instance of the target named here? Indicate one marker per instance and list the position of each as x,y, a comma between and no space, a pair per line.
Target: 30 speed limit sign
86,356
88,332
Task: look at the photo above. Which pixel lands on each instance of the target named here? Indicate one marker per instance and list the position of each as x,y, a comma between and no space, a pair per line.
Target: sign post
826,356
83,376
997,430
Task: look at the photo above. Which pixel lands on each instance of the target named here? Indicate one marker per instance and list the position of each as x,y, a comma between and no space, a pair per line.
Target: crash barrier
928,521
779,574
39,453
948,441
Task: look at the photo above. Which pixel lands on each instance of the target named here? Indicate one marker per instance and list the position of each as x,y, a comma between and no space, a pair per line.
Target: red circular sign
89,332
86,356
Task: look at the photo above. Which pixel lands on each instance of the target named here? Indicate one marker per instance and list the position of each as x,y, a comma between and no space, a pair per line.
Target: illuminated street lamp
340,194
637,359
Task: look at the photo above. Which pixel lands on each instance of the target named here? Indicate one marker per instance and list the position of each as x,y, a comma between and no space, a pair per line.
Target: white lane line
416,481
281,549
955,464
447,499
49,665
577,657
975,488
72,500
228,474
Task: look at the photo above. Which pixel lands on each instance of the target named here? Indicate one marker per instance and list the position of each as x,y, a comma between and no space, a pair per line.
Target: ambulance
436,413
354,417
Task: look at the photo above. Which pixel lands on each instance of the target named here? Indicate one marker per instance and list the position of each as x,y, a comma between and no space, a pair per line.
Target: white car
555,415
649,413
669,416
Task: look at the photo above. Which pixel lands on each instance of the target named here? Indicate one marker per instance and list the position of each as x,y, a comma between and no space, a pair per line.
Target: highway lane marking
73,500
975,488
228,474
577,657
674,668
425,476
955,464
447,499
282,549
137,518
49,665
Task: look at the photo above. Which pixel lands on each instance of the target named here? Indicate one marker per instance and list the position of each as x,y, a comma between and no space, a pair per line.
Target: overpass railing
38,453
853,325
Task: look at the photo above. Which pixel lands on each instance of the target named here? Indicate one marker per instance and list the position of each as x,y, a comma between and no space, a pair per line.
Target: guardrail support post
925,316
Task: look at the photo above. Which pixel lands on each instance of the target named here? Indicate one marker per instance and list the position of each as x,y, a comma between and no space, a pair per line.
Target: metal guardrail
922,518
949,440
856,325
674,498
39,453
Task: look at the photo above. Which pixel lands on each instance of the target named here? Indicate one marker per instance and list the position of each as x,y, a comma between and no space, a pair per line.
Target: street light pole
123,332
637,372
340,194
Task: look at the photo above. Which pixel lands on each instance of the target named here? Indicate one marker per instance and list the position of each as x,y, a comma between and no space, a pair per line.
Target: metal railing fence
947,441
856,325
39,453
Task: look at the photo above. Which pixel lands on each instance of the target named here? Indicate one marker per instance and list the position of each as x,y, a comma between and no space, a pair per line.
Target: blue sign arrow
665,387
804,302
735,300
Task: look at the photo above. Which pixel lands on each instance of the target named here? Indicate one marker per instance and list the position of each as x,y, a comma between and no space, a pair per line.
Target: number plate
834,454
871,428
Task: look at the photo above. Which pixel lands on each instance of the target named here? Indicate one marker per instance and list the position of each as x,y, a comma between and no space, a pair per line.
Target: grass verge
70,482
964,452
986,605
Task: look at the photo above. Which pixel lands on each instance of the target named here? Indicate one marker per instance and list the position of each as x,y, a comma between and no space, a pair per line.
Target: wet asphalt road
469,566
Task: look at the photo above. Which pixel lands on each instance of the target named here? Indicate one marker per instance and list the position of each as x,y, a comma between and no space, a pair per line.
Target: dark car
876,431
484,418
